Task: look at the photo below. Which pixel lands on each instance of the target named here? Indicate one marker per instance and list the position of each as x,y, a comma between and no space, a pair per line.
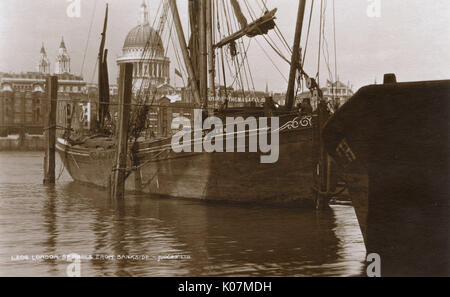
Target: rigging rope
320,43
335,50
273,63
243,55
94,71
235,60
267,37
281,36
325,48
229,29
89,36
307,34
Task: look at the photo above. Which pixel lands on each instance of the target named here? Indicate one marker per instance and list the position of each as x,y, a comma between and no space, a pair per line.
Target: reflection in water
49,211
208,239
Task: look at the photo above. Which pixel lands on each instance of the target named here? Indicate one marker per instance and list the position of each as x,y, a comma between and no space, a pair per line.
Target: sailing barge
153,167
391,141
238,177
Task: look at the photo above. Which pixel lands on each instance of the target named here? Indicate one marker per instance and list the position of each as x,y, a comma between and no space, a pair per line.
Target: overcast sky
410,38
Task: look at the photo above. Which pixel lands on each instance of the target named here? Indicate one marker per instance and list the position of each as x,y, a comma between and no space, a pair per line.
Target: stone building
23,99
336,94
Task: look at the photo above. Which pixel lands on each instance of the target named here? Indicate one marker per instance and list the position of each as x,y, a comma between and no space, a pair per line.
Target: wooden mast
295,60
210,42
184,50
203,55
101,75
105,87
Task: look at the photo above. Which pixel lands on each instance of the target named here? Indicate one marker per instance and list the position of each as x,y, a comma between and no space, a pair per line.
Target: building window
37,115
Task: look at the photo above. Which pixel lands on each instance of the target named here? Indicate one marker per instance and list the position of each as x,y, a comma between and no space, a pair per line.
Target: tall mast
295,60
210,42
105,87
184,50
203,54
101,75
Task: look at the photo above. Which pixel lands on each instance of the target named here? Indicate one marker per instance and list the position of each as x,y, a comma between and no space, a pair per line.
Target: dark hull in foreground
392,142
233,177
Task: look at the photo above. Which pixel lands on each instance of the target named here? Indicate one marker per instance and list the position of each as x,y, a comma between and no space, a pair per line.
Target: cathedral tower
44,63
62,60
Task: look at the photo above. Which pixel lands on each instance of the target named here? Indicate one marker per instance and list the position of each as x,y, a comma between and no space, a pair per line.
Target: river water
161,237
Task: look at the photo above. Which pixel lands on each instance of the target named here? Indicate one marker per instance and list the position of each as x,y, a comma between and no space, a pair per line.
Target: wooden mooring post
119,170
50,131
324,186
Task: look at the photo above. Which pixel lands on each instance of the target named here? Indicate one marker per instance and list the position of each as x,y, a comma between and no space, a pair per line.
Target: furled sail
259,27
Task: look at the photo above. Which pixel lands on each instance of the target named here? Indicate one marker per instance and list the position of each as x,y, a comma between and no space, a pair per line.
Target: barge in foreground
392,142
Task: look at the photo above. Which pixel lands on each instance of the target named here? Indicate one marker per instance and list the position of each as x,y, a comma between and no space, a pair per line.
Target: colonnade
159,69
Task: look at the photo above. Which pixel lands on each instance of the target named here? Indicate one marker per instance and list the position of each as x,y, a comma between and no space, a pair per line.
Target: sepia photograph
225,146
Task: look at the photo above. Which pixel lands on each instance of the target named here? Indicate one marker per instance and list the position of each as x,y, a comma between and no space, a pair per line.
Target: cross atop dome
143,19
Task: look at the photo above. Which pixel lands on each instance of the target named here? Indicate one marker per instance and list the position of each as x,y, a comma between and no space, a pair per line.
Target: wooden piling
50,132
119,170
324,182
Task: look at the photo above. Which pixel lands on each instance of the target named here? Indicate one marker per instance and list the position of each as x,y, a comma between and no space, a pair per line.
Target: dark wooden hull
392,143
234,177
